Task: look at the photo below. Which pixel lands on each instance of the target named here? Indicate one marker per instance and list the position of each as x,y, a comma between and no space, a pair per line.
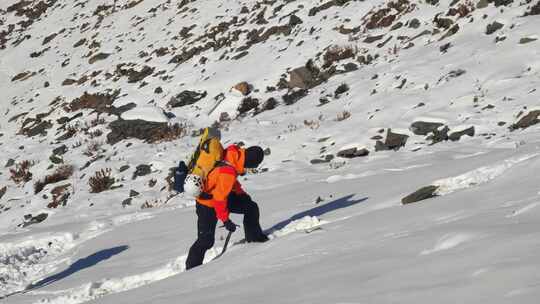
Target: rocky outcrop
424,128
526,121
353,152
142,170
306,77
456,135
421,194
185,98
394,141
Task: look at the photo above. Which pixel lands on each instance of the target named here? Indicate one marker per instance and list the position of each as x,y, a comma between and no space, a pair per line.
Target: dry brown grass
62,173
101,181
21,173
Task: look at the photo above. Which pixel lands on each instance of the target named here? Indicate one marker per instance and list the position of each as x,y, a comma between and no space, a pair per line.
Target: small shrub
95,134
60,196
93,148
151,204
343,115
169,133
21,173
247,105
62,173
293,96
101,181
312,124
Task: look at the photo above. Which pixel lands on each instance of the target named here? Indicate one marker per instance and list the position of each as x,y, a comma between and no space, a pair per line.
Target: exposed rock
10,163
493,27
294,95
60,150
142,170
414,23
3,191
186,98
393,141
98,57
326,159
455,136
353,152
424,128
371,39
526,121
535,10
56,159
306,77
482,4
421,194
30,220
247,105
37,128
439,134
243,87
127,202
526,40
315,10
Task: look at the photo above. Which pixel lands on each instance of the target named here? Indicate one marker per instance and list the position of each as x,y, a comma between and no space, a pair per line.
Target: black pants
207,221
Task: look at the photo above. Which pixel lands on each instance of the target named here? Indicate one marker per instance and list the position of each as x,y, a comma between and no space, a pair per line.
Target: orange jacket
223,180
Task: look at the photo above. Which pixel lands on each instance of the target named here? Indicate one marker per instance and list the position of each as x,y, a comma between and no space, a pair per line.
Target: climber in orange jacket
223,194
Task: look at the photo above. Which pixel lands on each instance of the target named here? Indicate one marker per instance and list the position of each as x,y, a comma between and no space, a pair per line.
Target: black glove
229,225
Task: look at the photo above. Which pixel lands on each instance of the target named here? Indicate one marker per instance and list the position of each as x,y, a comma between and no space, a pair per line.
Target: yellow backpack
208,154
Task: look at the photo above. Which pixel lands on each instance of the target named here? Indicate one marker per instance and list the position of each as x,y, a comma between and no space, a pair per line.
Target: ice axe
227,239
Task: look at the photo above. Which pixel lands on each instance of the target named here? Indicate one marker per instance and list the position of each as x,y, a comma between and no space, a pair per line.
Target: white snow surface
338,231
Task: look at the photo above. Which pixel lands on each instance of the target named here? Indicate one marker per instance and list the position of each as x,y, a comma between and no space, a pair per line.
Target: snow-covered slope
359,105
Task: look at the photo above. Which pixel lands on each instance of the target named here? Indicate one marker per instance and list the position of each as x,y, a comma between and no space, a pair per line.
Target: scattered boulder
60,150
294,95
248,104
393,141
326,159
142,170
3,191
30,220
10,162
525,40
438,135
37,128
424,127
127,202
123,168
186,98
526,121
353,152
493,27
243,87
133,193
55,159
421,194
455,136
306,77
98,57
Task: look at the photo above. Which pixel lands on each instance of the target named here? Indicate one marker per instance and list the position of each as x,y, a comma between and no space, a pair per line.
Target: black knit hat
254,157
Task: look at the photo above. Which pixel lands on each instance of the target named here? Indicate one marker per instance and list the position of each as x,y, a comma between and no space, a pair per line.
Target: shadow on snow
343,202
79,265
